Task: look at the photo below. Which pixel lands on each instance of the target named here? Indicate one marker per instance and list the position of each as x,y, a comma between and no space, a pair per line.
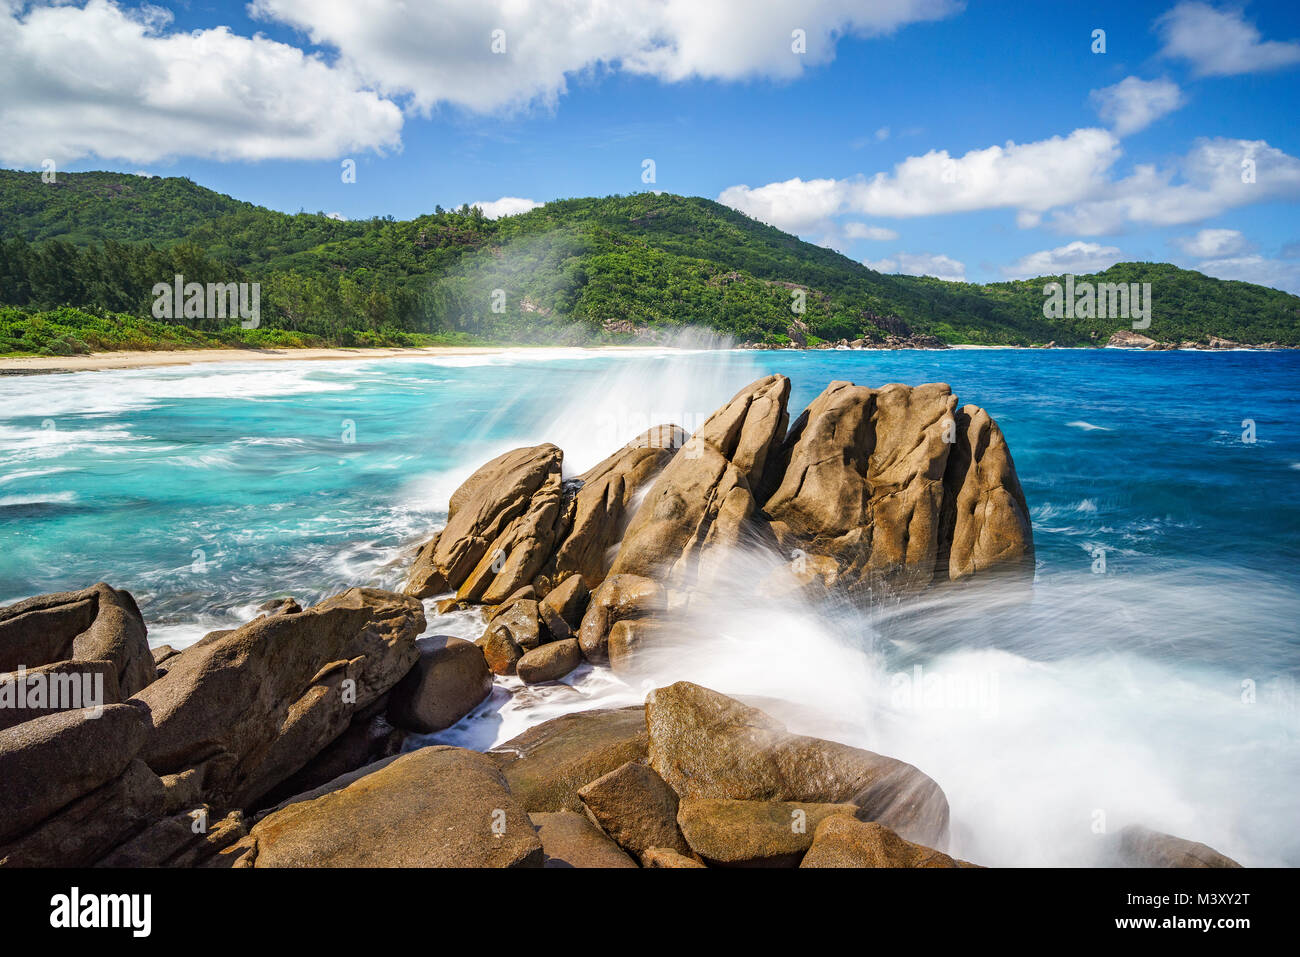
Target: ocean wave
1087,426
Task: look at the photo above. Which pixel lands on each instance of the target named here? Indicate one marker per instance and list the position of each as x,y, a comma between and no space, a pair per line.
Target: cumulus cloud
1076,257
1134,104
450,52
920,264
1220,42
103,81
1215,176
1212,243
506,206
1033,177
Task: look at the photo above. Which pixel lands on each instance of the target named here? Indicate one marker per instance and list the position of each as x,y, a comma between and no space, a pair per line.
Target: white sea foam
1087,426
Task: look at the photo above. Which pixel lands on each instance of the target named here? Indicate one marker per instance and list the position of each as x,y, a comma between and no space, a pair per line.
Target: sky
966,140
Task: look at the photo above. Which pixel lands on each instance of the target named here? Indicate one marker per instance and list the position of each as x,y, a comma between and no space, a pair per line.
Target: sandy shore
138,360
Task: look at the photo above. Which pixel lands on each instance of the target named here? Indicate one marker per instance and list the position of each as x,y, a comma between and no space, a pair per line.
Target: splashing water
1150,678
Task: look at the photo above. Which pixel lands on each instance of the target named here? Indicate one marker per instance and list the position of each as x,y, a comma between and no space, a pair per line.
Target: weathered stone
99,623
570,840
667,857
279,606
548,763
81,832
636,808
703,499
249,708
51,761
753,833
633,641
562,609
619,597
551,661
502,526
62,686
448,682
843,841
181,840
706,745
501,652
519,620
603,503
986,525
435,807
1142,847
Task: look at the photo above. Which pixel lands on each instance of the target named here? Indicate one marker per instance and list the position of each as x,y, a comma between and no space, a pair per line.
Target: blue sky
982,140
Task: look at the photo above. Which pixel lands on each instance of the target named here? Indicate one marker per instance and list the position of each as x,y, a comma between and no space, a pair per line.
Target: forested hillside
591,268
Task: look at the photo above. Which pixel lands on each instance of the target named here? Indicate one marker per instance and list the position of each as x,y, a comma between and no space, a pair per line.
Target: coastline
101,361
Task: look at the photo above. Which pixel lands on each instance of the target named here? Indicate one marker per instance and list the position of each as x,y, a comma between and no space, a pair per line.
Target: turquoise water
1152,677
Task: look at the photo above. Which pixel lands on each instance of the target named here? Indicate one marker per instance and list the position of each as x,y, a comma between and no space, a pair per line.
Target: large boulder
753,833
1142,847
502,526
244,710
51,761
635,807
894,486
843,841
704,497
435,807
548,763
449,681
99,623
985,522
550,662
707,745
562,609
602,505
570,840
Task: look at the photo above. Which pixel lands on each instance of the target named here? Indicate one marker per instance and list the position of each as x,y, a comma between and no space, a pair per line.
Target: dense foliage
578,268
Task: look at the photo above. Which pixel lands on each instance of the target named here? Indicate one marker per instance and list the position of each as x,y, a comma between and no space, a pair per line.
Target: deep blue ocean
1151,678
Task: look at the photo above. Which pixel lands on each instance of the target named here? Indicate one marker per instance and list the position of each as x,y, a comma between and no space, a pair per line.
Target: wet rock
570,840
450,679
603,503
550,662
1142,847
562,609
435,807
502,526
519,620
842,841
704,497
706,745
547,764
249,708
753,833
633,641
99,623
636,808
501,652
619,597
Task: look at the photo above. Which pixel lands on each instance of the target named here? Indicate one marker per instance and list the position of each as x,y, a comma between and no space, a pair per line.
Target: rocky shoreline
293,741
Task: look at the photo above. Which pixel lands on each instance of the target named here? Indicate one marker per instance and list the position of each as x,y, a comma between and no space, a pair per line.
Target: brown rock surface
570,840
753,833
618,598
842,841
1143,847
550,662
450,679
636,808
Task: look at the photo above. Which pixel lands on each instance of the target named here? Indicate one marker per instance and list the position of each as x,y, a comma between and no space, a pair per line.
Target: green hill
576,268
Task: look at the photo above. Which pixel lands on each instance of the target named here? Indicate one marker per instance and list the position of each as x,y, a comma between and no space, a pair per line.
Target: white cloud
1215,176
1076,257
863,231
441,51
1212,243
1134,104
102,81
920,264
882,134
1220,42
1278,273
506,206
1033,177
